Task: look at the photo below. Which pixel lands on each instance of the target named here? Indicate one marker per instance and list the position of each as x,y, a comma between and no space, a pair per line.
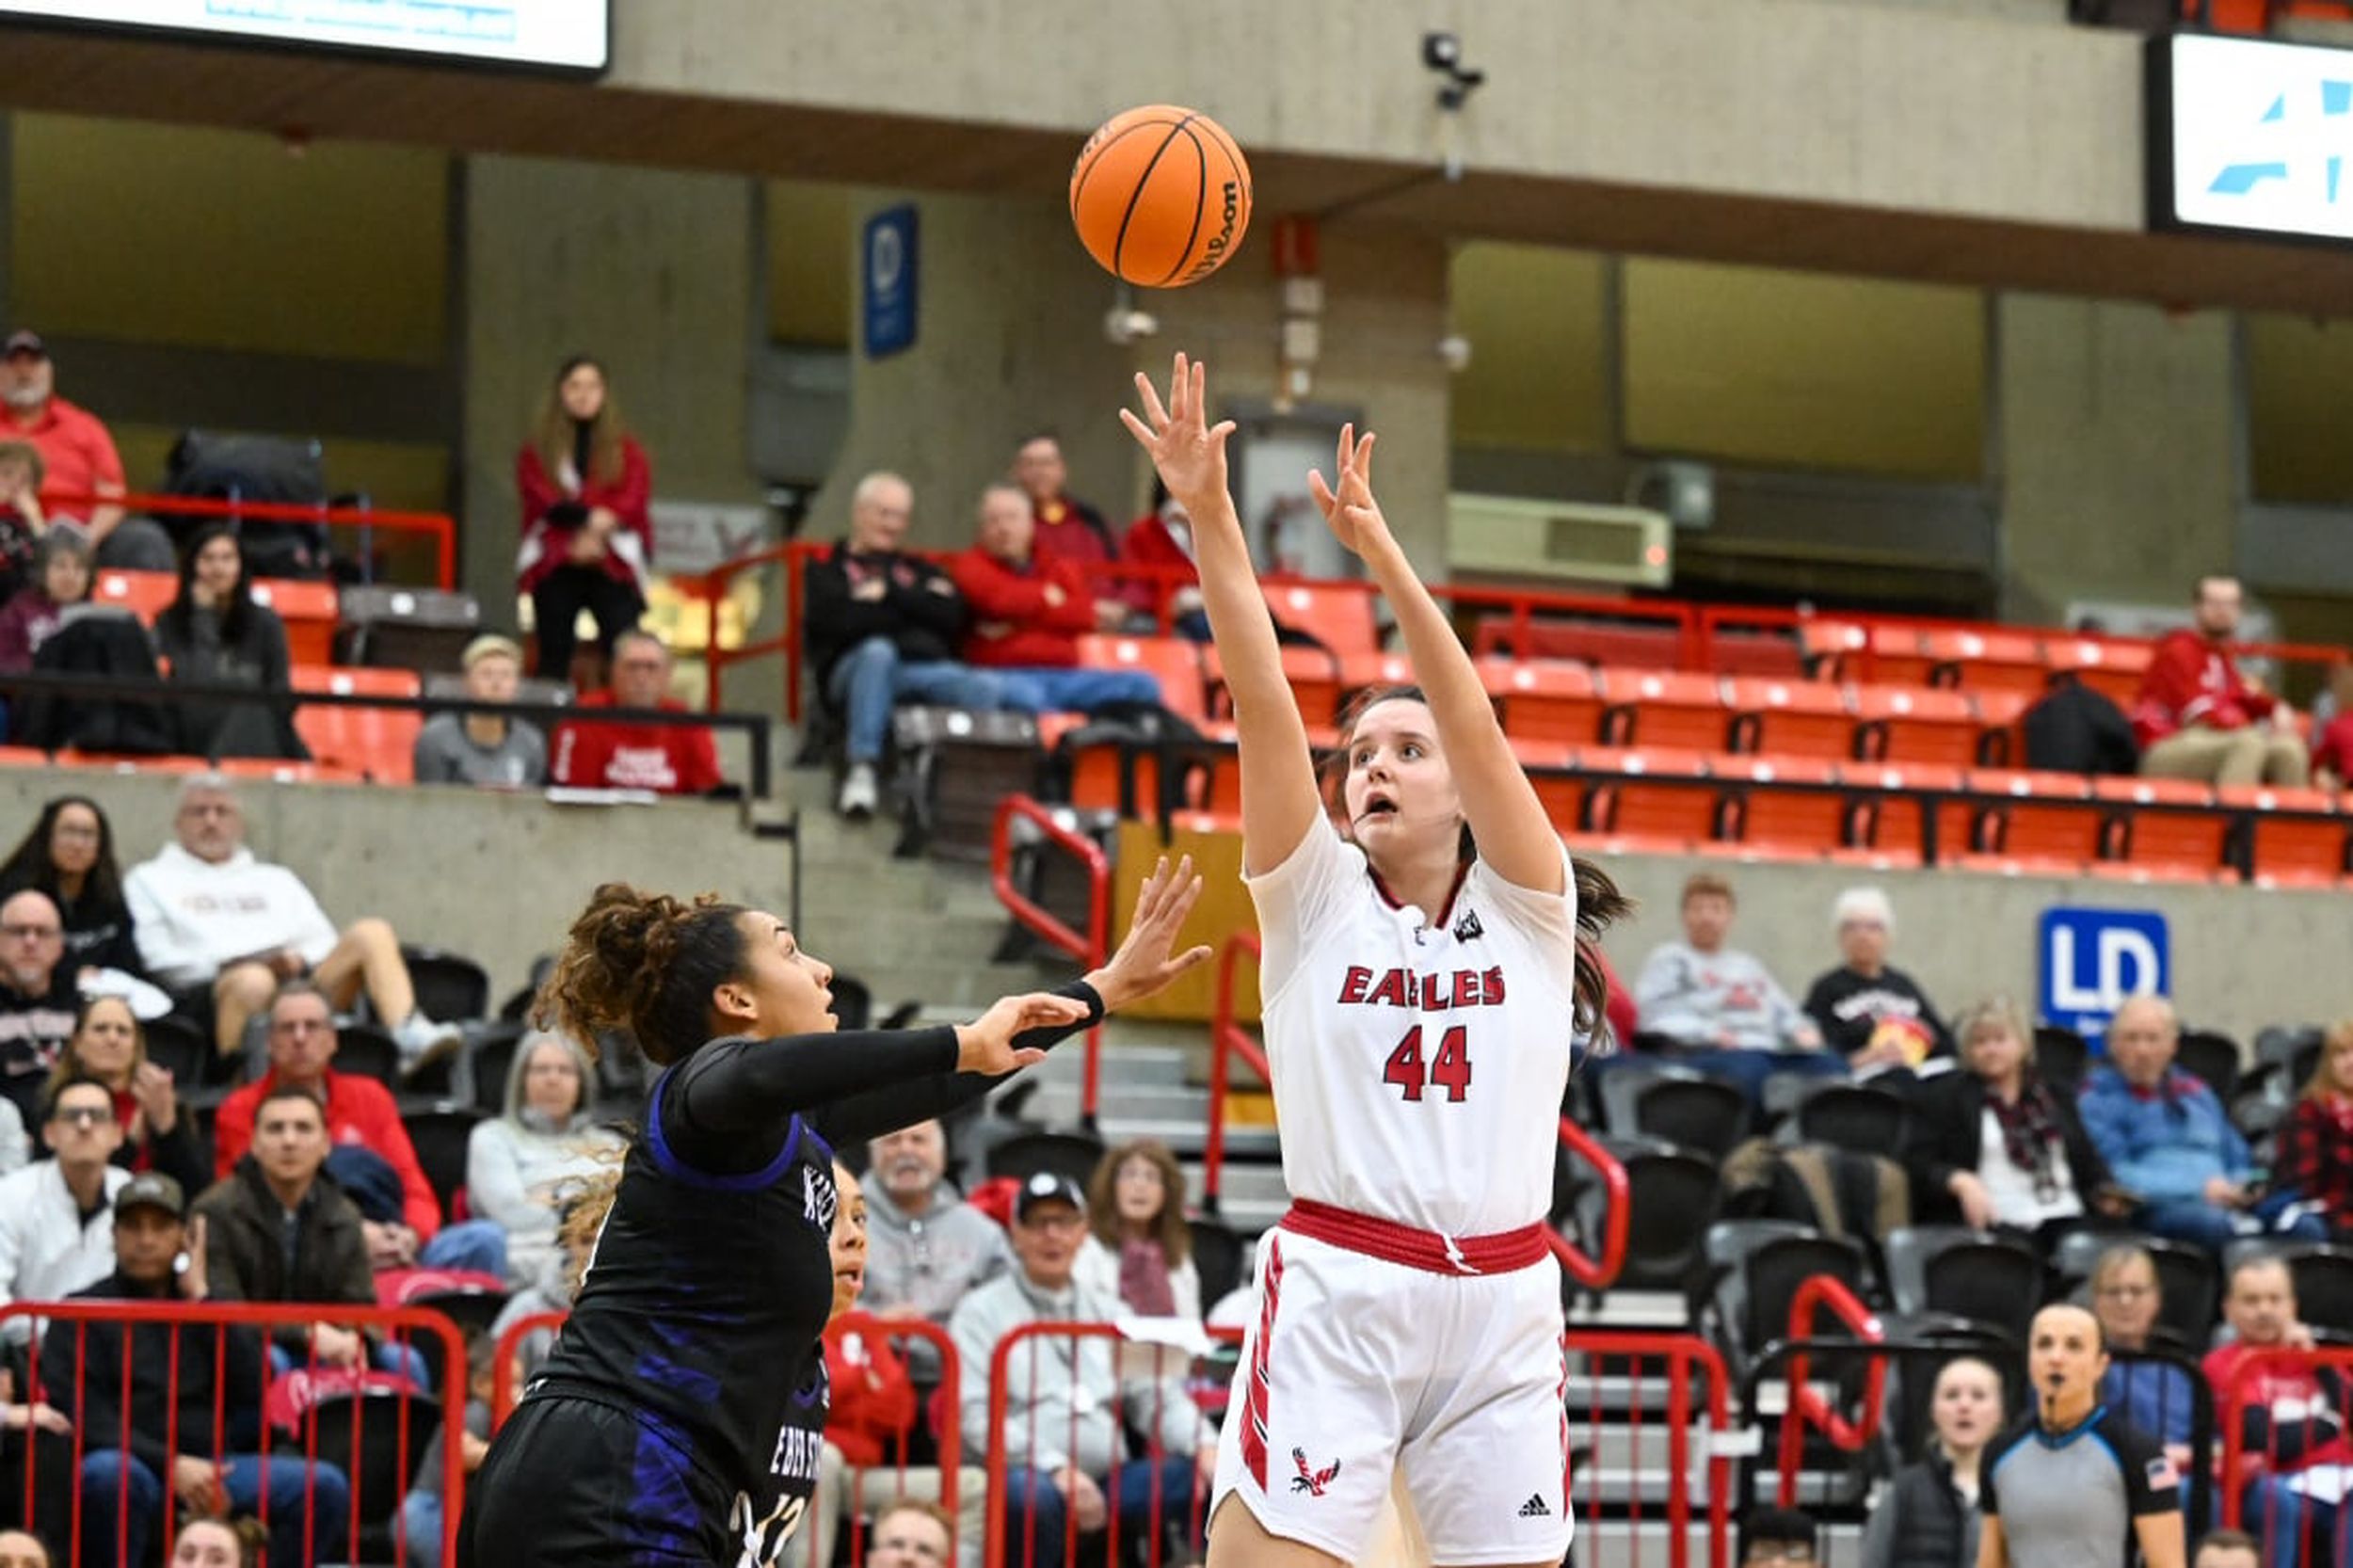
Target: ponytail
643,961
1599,904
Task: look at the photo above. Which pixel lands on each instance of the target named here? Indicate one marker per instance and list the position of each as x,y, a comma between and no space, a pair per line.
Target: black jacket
1947,1135
1922,1522
97,930
195,643
209,1359
246,1258
919,611
1847,1007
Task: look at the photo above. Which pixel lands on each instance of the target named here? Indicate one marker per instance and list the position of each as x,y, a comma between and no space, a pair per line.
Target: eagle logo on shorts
1312,1481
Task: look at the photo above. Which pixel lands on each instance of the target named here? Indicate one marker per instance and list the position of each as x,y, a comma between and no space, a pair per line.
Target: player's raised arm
1279,801
1516,838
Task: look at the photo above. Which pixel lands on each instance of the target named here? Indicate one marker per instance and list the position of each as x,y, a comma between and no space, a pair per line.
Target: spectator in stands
2333,741
587,535
1069,530
2298,1463
236,1543
874,1413
78,457
39,997
881,629
907,1534
422,1513
669,759
2168,1140
1721,1005
220,930
1869,1012
1163,537
2007,1149
1029,612
70,855
302,1044
2155,1394
1771,1537
19,1549
2226,1548
1929,1516
194,1385
1139,1249
1067,1456
55,1232
216,633
22,476
277,1231
2316,1148
59,579
489,751
2049,1498
927,1249
158,1135
519,1165
2198,718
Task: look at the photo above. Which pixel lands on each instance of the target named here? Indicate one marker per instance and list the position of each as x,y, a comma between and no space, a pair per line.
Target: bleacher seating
366,743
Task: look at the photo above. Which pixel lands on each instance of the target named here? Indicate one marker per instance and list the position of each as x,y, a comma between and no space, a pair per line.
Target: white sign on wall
566,35
2251,136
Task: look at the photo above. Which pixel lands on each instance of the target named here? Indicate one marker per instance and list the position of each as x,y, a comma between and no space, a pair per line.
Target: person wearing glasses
666,759
57,1222
1778,1536
41,994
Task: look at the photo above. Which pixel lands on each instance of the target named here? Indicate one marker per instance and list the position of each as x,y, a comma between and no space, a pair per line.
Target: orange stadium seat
1897,656
2292,847
374,742
1543,761
1879,821
1664,708
1361,671
1314,676
2136,871
2004,661
2047,818
1601,642
142,593
2001,725
2177,839
1773,655
1544,699
1800,821
1662,795
1789,718
1338,617
2112,669
1175,662
23,757
310,612
1826,646
1221,793
1914,724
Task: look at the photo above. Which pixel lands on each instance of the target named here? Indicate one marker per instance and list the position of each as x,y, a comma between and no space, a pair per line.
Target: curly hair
1599,903
646,963
1168,1227
582,1215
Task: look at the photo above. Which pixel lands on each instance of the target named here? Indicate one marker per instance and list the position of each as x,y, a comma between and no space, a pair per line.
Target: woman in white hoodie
519,1166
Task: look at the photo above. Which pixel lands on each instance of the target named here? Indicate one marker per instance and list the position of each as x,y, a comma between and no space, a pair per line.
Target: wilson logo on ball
1160,196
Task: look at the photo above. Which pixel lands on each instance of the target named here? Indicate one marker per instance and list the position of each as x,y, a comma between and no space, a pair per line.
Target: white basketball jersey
1419,1058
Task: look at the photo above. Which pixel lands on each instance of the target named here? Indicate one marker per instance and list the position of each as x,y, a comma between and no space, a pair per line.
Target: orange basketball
1160,196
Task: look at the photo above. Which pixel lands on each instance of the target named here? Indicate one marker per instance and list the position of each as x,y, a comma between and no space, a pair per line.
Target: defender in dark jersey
2076,1486
681,1417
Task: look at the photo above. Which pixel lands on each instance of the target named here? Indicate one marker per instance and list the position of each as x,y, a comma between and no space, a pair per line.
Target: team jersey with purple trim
1419,1057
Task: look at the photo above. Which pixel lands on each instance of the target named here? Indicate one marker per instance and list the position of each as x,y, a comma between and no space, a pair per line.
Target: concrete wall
2117,457
649,270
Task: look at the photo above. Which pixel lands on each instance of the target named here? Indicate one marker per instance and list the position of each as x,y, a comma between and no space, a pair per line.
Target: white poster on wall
565,35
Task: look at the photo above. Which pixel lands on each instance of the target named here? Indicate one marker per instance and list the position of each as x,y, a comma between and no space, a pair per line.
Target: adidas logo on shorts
1534,1508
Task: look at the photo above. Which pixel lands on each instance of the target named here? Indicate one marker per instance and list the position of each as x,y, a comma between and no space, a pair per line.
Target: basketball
1160,196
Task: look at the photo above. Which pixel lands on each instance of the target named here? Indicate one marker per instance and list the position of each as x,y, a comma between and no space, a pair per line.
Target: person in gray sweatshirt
1067,1455
1722,1006
926,1248
518,1166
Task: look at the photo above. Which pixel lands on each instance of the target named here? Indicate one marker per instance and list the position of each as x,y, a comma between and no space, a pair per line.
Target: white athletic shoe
423,1042
860,795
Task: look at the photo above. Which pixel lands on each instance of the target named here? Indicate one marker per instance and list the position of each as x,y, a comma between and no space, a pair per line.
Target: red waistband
1426,1250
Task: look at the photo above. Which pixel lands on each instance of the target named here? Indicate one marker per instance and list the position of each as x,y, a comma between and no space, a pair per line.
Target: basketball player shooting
1423,976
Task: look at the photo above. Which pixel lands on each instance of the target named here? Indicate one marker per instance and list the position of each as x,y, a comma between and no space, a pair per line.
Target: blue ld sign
2093,959
890,273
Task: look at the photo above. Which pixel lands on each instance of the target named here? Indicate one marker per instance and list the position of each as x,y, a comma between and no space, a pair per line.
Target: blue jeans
385,1356
1056,691
421,1524
1034,1502
2202,1225
106,1477
870,679
476,1244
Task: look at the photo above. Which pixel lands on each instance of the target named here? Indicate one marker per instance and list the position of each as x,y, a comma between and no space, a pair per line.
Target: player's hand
986,1044
1144,965
1347,502
1189,452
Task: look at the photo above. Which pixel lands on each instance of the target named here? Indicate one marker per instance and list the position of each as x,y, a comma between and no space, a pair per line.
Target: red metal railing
438,526
2256,1475
502,1390
400,1324
1807,1406
1686,1356
1091,947
1229,1039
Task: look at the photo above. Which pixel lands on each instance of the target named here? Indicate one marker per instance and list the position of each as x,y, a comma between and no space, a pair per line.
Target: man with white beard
79,457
